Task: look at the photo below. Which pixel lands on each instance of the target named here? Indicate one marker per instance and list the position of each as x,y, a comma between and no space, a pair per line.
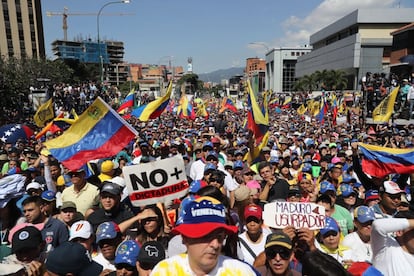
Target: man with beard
54,231
111,207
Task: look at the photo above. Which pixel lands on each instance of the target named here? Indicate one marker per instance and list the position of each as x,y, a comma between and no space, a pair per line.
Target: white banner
158,181
298,214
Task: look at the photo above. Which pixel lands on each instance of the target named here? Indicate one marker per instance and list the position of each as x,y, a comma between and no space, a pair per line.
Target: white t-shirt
362,251
100,259
257,248
389,257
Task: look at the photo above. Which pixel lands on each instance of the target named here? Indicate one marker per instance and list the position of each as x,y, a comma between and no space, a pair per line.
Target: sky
216,34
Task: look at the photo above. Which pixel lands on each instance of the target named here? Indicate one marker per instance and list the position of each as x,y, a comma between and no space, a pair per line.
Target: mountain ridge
218,75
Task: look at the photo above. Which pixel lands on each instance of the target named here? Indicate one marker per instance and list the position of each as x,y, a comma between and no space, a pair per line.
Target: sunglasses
146,266
330,233
366,224
284,253
211,159
350,195
125,266
197,151
145,220
72,174
212,179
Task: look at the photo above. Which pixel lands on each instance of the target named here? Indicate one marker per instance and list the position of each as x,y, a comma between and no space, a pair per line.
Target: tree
337,80
18,75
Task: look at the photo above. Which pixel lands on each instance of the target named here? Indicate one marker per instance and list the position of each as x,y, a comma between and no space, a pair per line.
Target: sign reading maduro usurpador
159,181
298,214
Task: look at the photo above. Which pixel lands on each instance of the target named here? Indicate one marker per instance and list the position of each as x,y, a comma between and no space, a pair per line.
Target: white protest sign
158,181
298,214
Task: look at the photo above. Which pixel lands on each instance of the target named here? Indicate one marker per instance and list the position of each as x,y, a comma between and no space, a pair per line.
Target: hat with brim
202,216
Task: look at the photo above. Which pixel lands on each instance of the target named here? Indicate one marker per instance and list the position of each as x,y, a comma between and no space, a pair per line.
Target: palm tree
321,78
337,80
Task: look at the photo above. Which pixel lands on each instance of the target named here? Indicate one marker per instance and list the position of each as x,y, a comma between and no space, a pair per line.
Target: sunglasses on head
330,233
284,253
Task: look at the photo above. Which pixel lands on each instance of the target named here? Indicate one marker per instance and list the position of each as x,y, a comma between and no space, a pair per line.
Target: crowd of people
56,221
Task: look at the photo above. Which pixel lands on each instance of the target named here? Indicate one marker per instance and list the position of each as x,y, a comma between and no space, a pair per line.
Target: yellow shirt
87,198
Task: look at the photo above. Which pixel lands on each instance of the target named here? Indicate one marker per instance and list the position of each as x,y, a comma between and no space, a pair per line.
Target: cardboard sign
298,214
158,181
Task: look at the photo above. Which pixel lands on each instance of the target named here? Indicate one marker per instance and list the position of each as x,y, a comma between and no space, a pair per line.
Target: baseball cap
229,164
196,185
108,165
326,186
68,204
253,184
330,225
215,140
212,153
346,190
48,196
238,165
364,214
111,188
265,149
151,253
207,145
127,253
202,216
371,195
107,230
390,187
210,166
253,210
274,159
33,185
26,237
72,257
80,229
279,238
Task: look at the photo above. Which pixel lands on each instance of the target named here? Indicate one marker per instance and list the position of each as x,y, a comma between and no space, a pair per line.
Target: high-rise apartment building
21,27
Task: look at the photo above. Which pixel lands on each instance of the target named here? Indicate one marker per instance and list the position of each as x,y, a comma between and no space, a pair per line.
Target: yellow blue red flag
382,161
99,132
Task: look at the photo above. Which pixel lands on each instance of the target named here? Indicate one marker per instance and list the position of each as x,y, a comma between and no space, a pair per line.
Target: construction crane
65,15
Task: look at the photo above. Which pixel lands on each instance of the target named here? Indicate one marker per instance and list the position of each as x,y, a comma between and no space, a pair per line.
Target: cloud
298,30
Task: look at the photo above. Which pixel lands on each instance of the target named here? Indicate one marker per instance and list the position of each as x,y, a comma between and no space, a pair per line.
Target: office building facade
281,67
22,28
358,43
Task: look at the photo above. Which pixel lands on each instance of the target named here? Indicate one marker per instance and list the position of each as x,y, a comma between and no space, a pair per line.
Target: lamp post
99,41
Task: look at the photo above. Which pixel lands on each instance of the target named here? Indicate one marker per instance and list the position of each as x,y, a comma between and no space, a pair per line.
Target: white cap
390,187
33,185
80,229
118,180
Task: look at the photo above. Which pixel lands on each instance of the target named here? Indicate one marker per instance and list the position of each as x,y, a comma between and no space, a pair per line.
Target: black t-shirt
279,190
100,216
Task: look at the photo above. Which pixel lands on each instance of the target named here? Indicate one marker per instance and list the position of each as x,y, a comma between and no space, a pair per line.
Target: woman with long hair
151,226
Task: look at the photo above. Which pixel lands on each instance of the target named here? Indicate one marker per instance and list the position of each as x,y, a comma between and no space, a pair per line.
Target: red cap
215,140
253,210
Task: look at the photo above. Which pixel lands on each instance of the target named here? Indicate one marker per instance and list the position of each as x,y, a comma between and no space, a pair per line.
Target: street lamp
99,41
263,44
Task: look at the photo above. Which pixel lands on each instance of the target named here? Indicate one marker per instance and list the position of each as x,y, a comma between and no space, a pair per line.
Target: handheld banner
159,181
298,214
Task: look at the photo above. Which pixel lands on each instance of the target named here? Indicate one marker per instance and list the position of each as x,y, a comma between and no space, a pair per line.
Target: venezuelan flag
185,108
321,115
257,121
128,101
99,132
153,109
382,161
227,104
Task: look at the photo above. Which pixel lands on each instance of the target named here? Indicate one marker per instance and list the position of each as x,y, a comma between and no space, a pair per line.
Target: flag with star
12,132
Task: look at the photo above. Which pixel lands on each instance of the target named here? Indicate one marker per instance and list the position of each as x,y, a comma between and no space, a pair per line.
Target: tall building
21,27
255,71
281,67
115,71
358,43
